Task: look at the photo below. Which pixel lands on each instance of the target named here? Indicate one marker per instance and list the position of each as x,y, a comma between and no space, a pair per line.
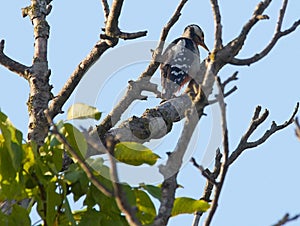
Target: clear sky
263,184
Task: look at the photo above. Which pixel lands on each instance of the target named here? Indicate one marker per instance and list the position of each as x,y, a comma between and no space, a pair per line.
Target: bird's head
195,33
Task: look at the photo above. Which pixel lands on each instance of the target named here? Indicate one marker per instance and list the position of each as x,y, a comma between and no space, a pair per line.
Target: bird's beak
204,46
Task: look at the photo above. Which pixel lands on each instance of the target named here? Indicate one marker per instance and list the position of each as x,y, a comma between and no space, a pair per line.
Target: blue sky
263,183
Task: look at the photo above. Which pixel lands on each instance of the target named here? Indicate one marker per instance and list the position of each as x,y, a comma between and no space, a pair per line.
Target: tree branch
224,165
105,9
120,196
297,130
12,65
218,26
209,185
84,166
61,98
277,35
134,92
256,121
172,167
286,218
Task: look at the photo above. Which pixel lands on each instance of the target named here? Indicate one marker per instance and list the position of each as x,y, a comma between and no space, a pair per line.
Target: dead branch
277,35
12,65
256,121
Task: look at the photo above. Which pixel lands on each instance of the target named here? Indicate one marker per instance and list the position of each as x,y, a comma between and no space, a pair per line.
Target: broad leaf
76,139
83,111
134,154
155,191
146,209
187,205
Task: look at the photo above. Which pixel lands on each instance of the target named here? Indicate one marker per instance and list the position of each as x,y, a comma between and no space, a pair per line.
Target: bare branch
277,35
209,185
218,26
172,167
134,93
112,23
286,218
61,98
12,65
120,196
205,172
297,130
256,121
85,167
105,9
224,165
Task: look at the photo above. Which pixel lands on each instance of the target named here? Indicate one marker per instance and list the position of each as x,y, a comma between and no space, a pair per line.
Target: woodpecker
181,60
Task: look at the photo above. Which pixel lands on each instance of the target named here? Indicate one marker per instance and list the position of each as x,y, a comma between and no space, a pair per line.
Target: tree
46,141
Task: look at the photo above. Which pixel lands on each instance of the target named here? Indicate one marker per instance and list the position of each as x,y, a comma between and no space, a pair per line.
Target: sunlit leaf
146,209
12,140
185,205
83,111
134,154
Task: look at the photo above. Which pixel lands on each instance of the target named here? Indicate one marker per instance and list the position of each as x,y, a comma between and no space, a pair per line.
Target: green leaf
83,111
146,209
187,205
155,191
12,140
19,216
134,154
76,139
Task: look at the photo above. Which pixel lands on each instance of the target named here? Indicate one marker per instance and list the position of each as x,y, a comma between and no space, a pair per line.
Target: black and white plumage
181,60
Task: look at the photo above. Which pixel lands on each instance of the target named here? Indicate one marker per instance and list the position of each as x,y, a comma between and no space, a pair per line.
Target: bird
181,60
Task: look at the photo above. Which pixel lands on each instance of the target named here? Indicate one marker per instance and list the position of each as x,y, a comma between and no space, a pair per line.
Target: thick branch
256,121
112,23
12,65
297,130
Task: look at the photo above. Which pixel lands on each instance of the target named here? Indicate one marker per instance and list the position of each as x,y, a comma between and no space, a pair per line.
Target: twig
277,35
85,167
205,172
12,65
209,186
286,218
256,121
120,196
218,26
224,165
